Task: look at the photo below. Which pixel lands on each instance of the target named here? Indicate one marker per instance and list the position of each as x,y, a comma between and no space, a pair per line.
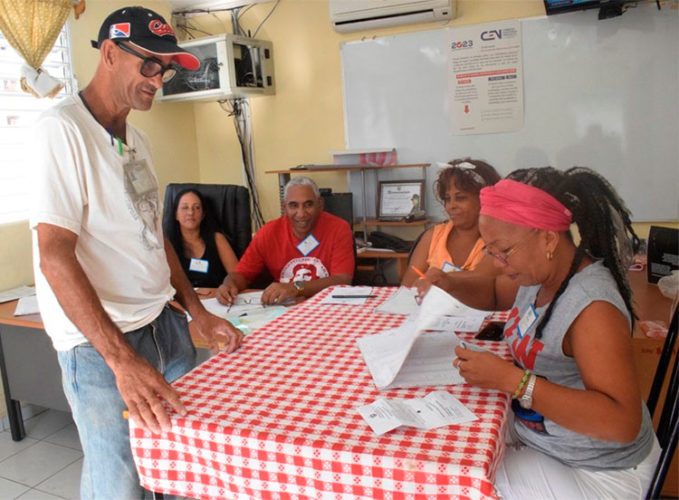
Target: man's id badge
199,265
528,319
139,177
307,245
449,267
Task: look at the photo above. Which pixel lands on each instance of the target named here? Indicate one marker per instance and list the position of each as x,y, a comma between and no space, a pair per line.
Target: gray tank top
545,358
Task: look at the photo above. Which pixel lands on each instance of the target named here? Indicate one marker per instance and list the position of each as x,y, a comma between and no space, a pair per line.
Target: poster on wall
486,85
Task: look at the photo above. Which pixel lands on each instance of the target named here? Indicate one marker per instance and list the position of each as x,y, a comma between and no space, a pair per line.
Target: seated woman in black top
204,252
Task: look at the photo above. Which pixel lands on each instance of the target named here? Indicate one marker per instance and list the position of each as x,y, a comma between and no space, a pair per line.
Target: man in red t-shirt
305,250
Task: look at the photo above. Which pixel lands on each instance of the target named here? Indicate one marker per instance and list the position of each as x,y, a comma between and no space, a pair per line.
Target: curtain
31,28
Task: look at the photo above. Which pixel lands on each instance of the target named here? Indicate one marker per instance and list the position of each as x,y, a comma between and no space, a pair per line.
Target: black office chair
229,205
668,426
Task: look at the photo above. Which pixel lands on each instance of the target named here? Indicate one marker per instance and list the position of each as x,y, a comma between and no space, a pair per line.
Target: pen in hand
419,273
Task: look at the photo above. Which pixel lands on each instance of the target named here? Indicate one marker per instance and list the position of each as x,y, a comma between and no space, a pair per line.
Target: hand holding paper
401,357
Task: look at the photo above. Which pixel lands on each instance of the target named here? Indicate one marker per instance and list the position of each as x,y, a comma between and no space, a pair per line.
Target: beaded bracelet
524,379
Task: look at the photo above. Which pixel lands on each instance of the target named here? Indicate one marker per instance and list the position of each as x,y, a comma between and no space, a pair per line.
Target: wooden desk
400,257
29,366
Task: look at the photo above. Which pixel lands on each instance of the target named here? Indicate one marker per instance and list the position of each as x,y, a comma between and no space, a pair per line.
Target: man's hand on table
278,293
227,293
219,333
143,389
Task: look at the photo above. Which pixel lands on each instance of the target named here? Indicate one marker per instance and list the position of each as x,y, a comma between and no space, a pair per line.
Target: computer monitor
341,205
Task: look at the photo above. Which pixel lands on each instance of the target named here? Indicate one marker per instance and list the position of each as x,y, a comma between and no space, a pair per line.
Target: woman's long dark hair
208,227
602,219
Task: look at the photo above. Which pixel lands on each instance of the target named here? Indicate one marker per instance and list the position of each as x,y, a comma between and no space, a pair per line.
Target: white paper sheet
386,353
467,323
27,305
16,293
245,302
351,295
436,409
402,301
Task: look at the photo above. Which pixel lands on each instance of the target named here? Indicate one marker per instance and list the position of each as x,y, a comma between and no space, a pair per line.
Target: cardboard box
650,304
646,354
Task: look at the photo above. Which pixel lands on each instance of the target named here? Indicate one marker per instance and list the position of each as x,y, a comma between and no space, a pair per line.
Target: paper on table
402,301
240,305
358,291
436,409
16,293
247,313
27,305
385,353
251,321
468,323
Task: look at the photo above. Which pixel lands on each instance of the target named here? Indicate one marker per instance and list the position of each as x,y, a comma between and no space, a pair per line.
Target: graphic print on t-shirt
142,191
303,269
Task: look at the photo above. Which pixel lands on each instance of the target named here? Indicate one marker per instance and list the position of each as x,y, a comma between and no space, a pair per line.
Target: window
18,112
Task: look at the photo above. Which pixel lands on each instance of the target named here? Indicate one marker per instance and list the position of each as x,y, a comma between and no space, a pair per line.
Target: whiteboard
602,94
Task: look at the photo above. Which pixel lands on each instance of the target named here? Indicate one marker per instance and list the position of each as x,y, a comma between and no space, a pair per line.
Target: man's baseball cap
147,30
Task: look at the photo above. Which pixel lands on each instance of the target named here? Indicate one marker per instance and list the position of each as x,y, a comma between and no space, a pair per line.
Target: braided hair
601,217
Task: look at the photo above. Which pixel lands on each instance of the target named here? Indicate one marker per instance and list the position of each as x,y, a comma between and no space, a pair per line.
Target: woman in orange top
455,245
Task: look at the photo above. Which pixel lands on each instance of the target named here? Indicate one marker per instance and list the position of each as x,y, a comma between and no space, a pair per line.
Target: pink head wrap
524,205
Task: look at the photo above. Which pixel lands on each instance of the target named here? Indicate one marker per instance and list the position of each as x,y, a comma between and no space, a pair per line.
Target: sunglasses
151,66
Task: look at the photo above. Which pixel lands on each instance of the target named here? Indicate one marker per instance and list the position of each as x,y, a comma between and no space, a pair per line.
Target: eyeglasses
151,66
503,255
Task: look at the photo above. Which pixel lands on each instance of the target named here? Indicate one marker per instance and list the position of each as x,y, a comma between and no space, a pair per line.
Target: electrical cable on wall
236,107
239,109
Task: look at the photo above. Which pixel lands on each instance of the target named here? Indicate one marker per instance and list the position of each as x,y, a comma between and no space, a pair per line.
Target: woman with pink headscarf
581,429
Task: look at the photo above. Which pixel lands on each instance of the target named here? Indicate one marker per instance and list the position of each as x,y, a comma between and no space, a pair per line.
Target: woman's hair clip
465,164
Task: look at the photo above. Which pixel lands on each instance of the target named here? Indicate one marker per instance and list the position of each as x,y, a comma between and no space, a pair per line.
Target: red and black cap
147,30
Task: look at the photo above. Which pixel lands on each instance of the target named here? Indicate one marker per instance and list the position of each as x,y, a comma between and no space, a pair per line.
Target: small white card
199,265
437,409
307,245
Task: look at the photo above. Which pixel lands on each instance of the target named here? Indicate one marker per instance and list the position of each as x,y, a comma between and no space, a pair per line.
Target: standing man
104,273
305,250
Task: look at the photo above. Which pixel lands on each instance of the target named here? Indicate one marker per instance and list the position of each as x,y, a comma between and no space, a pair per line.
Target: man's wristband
522,384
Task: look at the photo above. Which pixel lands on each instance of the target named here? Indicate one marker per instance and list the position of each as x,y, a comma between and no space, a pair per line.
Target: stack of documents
408,357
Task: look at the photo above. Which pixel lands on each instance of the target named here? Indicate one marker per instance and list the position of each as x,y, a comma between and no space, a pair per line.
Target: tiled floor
46,463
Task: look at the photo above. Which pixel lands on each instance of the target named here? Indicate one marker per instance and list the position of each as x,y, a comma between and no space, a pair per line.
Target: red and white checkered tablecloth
277,420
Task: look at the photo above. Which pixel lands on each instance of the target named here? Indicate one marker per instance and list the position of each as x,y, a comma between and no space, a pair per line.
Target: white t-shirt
82,183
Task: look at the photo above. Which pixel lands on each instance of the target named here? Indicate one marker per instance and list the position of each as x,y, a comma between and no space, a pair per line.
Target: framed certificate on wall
399,199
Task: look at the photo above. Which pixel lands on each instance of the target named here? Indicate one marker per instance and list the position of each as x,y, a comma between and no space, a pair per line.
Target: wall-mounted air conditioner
230,66
352,15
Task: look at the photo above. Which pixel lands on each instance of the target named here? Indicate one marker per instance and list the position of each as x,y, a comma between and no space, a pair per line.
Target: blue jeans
108,468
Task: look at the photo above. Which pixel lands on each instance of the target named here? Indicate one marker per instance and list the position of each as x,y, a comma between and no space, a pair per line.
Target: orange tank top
439,254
